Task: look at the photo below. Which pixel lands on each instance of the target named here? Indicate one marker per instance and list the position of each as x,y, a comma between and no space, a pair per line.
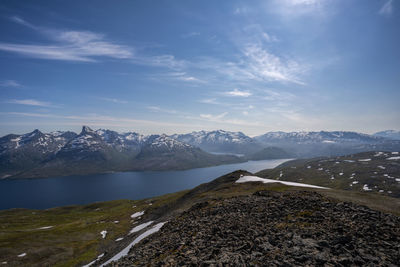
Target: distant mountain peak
86,130
32,134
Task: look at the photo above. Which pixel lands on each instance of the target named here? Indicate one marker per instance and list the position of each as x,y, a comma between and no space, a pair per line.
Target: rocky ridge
274,229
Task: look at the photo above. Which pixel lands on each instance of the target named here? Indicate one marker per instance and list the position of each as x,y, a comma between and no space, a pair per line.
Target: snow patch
381,167
22,255
93,262
140,227
44,227
137,214
245,179
395,153
119,239
394,158
366,188
125,251
364,160
103,234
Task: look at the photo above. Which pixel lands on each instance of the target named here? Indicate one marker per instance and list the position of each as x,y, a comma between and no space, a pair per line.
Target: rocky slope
274,229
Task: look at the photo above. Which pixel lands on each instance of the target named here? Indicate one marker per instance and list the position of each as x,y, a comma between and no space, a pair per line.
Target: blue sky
180,66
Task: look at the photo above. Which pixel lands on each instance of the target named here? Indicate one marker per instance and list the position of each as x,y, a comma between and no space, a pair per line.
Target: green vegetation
75,236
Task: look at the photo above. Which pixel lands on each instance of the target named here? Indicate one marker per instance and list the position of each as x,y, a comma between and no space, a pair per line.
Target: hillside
218,222
377,172
271,153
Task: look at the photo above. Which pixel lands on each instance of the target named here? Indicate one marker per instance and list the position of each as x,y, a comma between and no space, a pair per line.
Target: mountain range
390,134
38,154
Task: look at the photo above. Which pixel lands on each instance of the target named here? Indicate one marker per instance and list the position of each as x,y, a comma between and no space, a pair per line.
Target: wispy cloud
212,101
281,96
162,110
114,100
23,22
221,118
167,61
96,119
183,76
267,66
190,34
296,8
237,92
254,64
10,83
176,76
240,10
213,117
387,8
30,102
255,32
69,45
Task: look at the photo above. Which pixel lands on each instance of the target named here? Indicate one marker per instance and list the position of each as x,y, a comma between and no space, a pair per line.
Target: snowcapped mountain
220,141
124,141
323,143
161,152
43,143
38,154
21,152
92,151
317,137
389,134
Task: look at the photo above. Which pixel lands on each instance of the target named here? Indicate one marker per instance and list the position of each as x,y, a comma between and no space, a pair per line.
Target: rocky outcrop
273,229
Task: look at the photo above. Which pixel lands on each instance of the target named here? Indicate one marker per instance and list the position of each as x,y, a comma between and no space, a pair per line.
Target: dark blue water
60,191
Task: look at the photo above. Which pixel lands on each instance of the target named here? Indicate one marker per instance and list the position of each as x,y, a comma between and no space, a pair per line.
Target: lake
69,190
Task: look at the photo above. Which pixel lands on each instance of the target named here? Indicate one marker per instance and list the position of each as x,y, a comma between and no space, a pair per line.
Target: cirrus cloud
30,102
239,93
68,46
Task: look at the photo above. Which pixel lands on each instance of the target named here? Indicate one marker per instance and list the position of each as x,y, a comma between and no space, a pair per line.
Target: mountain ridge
38,154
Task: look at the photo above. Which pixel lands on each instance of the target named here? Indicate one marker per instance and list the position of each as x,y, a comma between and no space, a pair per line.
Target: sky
179,66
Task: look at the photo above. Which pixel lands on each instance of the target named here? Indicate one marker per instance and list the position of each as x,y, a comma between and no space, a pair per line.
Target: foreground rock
274,229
